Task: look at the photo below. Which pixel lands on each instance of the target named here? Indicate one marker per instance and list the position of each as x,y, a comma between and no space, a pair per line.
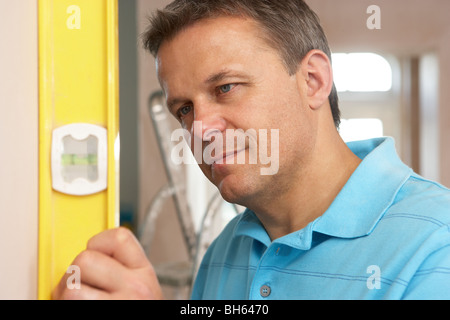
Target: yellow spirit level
78,130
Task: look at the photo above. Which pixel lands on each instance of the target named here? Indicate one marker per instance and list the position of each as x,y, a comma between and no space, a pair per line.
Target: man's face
221,74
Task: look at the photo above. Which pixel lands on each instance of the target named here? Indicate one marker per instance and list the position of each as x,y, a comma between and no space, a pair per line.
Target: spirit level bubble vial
79,159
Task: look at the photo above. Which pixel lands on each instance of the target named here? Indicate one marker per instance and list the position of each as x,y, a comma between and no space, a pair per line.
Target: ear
316,71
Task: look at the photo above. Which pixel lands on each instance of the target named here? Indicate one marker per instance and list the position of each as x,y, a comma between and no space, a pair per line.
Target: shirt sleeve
200,279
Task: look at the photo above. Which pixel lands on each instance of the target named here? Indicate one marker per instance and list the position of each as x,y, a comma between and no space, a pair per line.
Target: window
360,129
361,72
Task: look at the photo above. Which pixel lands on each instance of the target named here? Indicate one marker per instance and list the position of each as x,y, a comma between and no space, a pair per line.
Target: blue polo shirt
385,236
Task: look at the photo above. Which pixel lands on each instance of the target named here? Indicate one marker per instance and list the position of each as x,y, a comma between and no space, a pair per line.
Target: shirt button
264,291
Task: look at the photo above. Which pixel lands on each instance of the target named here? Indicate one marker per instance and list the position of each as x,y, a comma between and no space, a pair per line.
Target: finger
85,292
66,290
122,245
100,270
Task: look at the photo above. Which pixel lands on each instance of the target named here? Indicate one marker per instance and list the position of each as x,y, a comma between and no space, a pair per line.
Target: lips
225,158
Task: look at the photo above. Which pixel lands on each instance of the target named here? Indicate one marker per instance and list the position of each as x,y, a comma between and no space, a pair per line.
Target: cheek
296,132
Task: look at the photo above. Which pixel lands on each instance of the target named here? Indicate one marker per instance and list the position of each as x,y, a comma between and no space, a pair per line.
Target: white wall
18,149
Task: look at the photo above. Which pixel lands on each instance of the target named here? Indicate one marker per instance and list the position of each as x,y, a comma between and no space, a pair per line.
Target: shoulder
419,216
424,200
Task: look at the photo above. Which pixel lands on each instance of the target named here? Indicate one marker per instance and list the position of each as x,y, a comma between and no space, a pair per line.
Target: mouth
226,158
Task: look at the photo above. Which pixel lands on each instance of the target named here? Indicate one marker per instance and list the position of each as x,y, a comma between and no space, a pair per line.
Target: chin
235,190
237,184
230,196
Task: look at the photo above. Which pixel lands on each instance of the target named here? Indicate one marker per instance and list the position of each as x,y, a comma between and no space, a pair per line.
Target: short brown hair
292,28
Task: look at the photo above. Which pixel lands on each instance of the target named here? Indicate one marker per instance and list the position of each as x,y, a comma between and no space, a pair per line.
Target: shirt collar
368,193
360,204
250,225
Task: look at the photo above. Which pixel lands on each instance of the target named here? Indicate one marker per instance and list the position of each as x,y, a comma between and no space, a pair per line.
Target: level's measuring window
79,159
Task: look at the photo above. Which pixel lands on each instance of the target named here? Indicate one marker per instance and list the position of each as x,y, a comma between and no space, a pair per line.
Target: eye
226,88
184,111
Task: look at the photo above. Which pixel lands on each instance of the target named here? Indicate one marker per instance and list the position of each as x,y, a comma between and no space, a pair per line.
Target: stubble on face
268,98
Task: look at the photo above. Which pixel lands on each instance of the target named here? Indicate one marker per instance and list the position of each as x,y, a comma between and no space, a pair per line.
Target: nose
206,122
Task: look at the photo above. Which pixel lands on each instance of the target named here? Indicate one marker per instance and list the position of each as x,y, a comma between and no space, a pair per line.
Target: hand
113,266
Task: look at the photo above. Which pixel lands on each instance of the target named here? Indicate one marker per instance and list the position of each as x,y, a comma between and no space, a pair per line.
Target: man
335,221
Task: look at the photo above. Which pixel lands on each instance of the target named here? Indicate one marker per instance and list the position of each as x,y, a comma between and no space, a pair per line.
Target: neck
312,190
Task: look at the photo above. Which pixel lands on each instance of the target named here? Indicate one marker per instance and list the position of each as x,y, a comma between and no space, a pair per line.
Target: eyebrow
219,76
172,102
216,77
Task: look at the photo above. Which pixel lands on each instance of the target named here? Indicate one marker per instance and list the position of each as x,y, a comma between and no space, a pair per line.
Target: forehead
210,41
